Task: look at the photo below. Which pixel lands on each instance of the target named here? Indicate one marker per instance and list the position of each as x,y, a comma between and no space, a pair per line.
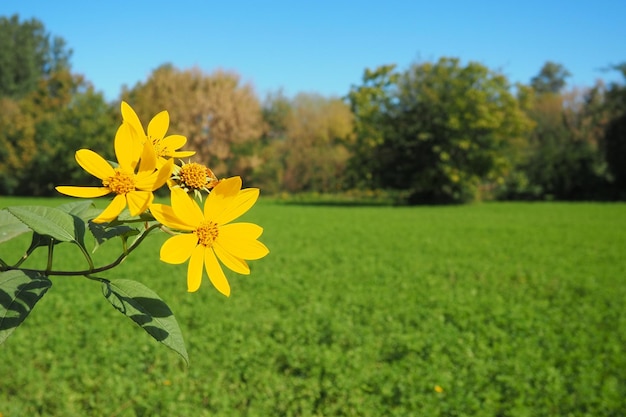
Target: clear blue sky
324,46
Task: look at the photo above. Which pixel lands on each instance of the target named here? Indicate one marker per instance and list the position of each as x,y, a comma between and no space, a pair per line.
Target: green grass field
512,309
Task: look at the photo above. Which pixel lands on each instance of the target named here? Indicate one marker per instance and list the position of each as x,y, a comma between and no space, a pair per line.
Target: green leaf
10,226
148,310
125,217
83,209
19,292
103,232
49,221
40,240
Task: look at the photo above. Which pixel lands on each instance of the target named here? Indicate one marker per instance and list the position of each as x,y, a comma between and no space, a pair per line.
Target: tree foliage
27,54
443,128
305,143
615,135
563,158
371,104
46,111
551,78
40,133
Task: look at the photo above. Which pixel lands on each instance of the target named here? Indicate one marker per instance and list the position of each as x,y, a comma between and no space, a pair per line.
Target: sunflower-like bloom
130,188
193,178
212,235
165,147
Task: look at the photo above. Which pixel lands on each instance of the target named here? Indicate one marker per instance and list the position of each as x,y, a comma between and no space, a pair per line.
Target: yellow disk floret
207,232
194,176
120,183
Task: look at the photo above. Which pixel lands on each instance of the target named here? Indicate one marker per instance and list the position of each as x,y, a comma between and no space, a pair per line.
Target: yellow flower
193,178
438,389
164,146
132,189
212,235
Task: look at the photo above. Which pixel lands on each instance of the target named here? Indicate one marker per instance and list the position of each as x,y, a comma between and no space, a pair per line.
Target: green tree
551,78
443,128
615,135
371,104
27,54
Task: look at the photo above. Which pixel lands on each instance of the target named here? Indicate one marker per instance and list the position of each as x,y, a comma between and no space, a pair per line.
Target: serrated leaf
148,310
126,217
19,292
83,209
10,226
48,221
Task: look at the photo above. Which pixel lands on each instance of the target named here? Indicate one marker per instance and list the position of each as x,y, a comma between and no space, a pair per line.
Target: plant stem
87,256
50,255
24,257
93,270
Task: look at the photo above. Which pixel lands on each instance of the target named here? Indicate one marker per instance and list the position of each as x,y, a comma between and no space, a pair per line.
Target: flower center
207,232
193,175
120,183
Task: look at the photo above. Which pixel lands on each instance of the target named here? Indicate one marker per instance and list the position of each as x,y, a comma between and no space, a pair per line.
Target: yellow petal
113,210
244,200
181,154
157,179
138,201
84,192
178,249
234,263
94,164
148,161
215,272
158,125
243,248
185,207
162,161
221,197
194,269
173,142
165,215
129,116
127,151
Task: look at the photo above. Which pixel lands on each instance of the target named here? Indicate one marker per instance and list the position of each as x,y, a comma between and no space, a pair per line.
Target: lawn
493,309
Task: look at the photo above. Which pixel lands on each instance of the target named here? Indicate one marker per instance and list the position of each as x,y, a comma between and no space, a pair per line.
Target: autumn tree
216,112
315,151
304,143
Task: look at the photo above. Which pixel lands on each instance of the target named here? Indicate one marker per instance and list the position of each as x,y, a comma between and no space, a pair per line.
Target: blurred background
410,101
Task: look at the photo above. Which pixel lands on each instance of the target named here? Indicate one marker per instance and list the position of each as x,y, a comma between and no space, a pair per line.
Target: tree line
437,132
